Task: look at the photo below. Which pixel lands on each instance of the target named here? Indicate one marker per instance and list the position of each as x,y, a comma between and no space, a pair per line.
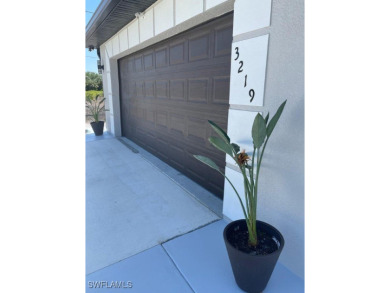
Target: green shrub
89,95
93,81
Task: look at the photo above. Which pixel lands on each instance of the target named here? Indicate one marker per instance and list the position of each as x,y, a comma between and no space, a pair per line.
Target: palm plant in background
95,106
261,132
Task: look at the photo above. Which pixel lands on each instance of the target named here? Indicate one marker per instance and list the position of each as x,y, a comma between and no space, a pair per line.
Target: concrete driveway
142,220
131,205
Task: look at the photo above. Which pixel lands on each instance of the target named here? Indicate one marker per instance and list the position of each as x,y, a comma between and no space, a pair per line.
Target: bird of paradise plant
261,132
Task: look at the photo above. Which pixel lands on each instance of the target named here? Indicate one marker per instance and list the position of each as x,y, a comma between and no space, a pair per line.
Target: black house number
251,92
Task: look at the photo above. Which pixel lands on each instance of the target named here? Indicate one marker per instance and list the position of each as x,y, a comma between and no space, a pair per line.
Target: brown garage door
170,90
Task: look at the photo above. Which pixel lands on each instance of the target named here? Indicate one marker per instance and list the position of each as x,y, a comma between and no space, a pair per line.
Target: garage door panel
169,91
181,70
161,57
138,64
212,175
150,117
220,89
140,89
177,156
140,114
149,61
178,124
222,42
162,119
199,47
178,89
149,89
162,89
197,130
178,53
197,90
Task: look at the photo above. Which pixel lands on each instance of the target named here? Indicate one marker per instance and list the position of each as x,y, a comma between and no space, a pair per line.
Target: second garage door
169,91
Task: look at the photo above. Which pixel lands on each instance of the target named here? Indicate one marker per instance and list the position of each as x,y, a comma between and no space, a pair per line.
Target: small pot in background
98,127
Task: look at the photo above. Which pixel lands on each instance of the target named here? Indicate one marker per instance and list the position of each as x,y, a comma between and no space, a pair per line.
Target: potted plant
95,106
253,246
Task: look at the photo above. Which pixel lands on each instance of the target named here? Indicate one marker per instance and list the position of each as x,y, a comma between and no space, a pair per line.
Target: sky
90,57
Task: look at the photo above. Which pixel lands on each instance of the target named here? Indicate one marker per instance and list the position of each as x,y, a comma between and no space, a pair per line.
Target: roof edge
102,11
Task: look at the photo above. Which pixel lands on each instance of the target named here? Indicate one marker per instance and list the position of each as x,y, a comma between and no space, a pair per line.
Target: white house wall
105,52
269,35
115,45
146,26
185,9
132,33
250,17
212,3
123,40
163,16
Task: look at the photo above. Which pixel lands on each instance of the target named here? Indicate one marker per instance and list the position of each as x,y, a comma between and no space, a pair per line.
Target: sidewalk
146,228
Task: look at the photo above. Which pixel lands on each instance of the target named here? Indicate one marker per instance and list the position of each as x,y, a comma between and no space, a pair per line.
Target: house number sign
248,67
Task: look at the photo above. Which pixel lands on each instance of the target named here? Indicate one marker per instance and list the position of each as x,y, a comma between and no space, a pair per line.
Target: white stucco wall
269,36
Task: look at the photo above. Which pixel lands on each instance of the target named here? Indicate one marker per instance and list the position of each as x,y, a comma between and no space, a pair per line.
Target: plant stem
259,160
252,241
247,195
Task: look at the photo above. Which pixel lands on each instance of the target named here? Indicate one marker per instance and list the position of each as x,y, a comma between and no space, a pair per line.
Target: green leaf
102,101
275,119
236,147
220,132
259,131
221,145
208,162
266,118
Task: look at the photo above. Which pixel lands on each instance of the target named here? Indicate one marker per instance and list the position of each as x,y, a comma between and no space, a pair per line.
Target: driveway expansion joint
200,227
178,269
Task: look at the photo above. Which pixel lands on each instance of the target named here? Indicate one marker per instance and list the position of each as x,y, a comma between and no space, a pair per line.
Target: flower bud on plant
242,158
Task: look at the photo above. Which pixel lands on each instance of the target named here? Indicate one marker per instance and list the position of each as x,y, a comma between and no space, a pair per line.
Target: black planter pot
98,127
252,272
